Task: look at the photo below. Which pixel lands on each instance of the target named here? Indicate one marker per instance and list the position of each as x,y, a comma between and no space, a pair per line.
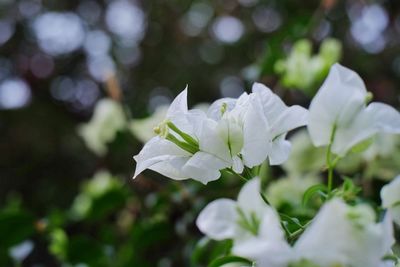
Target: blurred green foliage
53,192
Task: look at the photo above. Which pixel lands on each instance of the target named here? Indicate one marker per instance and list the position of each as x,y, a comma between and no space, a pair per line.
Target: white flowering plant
306,220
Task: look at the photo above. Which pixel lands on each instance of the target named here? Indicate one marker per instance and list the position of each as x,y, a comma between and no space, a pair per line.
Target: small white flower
266,123
339,114
108,118
232,134
345,236
228,115
252,224
390,195
189,150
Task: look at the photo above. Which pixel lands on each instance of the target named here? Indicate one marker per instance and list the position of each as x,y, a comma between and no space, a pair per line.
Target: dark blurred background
57,59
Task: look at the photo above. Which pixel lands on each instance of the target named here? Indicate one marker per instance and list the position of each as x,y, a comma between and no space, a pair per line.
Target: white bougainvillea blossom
254,226
342,235
197,144
340,116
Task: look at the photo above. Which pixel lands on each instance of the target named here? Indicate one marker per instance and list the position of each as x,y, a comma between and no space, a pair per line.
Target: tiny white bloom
195,158
390,195
252,224
346,236
266,123
108,118
339,114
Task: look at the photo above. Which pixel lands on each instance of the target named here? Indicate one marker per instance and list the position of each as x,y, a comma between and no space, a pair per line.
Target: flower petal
249,198
204,167
385,117
342,93
179,105
256,135
218,219
279,151
237,165
293,117
171,167
211,142
155,151
215,110
390,195
269,254
377,117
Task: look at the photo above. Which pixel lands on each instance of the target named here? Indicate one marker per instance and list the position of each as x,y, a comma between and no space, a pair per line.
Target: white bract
390,195
255,126
266,123
108,118
339,115
185,147
252,224
341,235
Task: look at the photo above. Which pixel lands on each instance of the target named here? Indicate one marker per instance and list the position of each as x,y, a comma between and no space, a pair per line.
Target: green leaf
292,220
311,191
15,227
230,259
363,145
396,204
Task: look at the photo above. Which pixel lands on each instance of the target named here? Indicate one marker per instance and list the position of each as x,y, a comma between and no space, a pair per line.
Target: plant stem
298,232
329,163
230,171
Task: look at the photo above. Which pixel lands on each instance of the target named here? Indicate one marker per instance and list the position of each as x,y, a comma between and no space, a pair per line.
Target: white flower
266,123
341,235
390,195
108,118
186,147
227,116
339,114
143,129
252,224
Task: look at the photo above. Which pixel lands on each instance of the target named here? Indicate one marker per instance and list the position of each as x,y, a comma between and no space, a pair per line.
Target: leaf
292,220
230,259
396,204
311,191
15,227
363,145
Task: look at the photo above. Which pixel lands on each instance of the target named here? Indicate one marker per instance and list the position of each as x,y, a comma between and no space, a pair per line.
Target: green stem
329,163
185,146
190,140
298,232
229,170
248,173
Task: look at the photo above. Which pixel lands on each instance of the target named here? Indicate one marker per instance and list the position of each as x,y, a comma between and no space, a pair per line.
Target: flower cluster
233,135
302,70
339,235
239,136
